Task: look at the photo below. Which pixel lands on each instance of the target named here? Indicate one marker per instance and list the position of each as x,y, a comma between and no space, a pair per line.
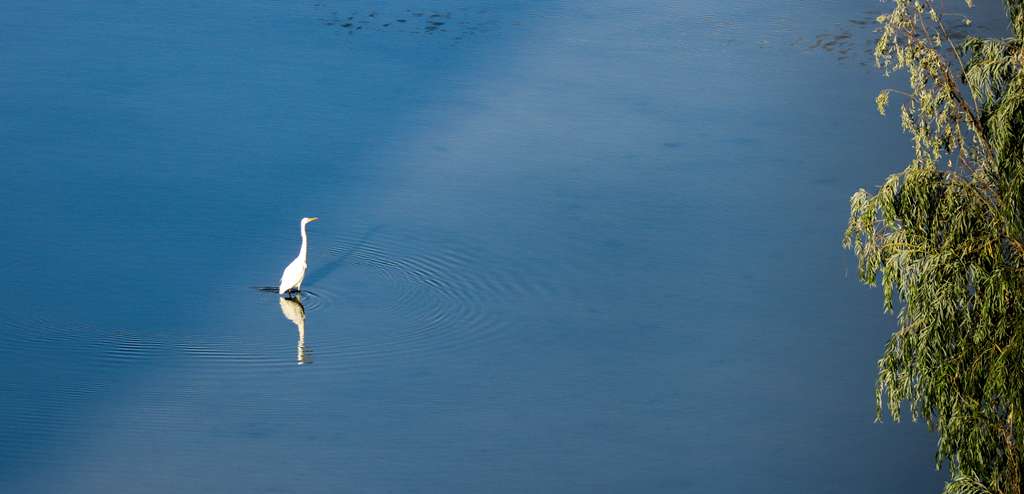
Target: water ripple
443,290
434,294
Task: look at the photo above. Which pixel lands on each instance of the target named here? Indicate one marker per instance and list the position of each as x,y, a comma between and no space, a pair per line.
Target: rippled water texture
564,247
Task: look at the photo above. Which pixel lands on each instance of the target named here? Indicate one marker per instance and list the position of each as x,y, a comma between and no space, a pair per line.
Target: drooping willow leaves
945,240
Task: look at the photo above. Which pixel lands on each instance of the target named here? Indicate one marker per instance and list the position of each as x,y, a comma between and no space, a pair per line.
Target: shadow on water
341,257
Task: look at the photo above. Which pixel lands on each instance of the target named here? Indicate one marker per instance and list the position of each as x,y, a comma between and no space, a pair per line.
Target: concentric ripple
312,299
444,292
429,293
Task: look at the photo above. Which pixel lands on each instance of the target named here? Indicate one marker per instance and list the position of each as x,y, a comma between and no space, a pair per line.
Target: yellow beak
313,219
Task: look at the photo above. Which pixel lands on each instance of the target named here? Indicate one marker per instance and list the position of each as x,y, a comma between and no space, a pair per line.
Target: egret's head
309,220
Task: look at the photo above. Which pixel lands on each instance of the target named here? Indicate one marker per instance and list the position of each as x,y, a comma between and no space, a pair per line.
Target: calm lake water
582,246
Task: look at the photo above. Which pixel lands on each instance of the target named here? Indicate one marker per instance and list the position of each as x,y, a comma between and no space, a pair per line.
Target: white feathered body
292,277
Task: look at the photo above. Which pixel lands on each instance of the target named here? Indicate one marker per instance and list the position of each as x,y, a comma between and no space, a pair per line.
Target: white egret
292,277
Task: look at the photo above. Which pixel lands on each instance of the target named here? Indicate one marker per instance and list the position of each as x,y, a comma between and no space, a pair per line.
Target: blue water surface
565,246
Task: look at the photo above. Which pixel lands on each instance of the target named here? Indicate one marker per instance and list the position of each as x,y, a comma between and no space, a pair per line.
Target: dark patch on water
459,24
854,42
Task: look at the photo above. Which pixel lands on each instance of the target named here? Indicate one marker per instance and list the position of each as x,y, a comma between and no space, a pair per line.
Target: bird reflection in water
293,310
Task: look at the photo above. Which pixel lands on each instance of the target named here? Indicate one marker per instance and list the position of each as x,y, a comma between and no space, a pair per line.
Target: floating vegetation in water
458,25
855,41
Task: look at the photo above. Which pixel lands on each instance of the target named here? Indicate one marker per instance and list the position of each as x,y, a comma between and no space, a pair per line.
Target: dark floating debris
463,24
857,42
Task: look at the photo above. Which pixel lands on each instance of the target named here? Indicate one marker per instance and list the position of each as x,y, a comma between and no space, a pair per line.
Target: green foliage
945,239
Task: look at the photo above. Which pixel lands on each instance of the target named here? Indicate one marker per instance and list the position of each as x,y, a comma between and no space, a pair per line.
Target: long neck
302,251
